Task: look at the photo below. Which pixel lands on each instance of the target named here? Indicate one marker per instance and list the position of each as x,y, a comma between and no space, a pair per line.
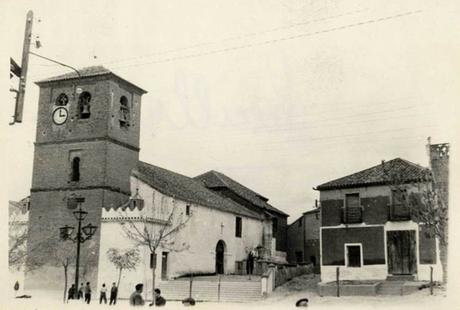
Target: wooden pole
190,290
24,65
431,280
337,273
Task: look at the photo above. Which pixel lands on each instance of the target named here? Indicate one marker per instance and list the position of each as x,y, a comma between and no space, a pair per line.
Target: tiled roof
215,179
187,189
86,73
379,175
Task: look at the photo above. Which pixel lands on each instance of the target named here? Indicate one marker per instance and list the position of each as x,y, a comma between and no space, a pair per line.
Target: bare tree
156,233
64,254
123,260
17,238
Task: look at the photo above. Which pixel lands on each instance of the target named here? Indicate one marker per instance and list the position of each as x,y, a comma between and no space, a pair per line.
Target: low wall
286,272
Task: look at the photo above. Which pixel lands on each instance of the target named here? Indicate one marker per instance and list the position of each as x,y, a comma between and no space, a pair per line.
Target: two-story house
303,239
368,230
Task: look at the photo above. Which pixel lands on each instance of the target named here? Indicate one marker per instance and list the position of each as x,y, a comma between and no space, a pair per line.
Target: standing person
80,291
250,263
103,296
71,293
136,297
113,294
87,293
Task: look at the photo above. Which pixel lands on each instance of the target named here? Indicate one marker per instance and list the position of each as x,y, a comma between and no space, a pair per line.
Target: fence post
431,280
337,274
190,289
218,290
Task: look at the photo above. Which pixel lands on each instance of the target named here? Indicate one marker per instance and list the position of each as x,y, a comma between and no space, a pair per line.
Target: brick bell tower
87,143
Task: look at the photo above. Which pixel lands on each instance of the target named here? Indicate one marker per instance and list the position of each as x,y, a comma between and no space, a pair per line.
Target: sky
279,95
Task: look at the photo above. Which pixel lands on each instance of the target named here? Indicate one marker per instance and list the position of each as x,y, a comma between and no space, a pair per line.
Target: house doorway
402,259
220,255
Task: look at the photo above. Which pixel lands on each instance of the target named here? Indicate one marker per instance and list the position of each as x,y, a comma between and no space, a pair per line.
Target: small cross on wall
222,228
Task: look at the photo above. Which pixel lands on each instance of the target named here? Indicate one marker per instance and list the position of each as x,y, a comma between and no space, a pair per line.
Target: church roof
379,175
214,179
187,189
87,72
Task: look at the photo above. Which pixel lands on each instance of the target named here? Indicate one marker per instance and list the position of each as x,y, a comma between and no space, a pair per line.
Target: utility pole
20,92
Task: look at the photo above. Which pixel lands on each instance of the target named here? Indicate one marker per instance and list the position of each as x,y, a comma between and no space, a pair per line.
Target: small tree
123,260
64,255
157,233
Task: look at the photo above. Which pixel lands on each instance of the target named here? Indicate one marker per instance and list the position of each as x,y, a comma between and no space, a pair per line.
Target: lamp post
88,231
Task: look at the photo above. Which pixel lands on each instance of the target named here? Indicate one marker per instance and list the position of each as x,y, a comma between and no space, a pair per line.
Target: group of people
85,292
135,299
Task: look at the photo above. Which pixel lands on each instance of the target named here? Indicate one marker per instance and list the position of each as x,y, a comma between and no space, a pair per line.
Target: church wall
195,243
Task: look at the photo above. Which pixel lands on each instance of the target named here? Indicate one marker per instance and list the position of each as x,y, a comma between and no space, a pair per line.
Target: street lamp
66,231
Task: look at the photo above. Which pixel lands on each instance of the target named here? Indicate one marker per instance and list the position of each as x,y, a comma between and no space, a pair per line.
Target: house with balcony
369,231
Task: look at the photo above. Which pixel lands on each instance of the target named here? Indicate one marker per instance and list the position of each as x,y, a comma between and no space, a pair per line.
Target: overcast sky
279,95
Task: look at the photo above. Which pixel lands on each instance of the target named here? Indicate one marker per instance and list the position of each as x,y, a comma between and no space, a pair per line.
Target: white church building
216,233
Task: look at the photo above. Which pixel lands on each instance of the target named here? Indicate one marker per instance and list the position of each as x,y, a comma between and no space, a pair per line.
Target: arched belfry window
75,177
84,105
124,112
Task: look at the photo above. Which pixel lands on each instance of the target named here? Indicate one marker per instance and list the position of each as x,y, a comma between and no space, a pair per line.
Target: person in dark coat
113,294
250,263
136,297
71,293
87,293
159,300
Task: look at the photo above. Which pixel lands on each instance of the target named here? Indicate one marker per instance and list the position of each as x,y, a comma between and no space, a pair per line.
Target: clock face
60,116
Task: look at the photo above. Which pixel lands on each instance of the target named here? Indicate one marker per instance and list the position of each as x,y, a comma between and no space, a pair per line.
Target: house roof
187,189
87,72
215,179
406,172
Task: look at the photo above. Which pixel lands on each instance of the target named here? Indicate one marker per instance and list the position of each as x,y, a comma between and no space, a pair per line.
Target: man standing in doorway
113,294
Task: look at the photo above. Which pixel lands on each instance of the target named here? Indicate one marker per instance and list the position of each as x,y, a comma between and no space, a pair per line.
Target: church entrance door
220,254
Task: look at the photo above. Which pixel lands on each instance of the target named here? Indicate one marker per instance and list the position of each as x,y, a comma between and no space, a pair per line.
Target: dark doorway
164,266
402,258
220,253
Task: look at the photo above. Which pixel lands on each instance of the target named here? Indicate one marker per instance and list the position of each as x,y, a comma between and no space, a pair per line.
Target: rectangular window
300,222
187,210
274,225
238,227
352,212
353,255
399,209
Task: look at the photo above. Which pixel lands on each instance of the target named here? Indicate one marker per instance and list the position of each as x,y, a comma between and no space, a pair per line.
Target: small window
62,100
300,222
353,255
239,227
124,112
75,177
84,106
187,210
274,225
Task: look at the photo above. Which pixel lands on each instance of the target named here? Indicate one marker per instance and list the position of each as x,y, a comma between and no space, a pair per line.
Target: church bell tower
87,143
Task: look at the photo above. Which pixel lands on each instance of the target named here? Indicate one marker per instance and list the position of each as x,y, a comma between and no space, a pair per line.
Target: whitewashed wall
200,235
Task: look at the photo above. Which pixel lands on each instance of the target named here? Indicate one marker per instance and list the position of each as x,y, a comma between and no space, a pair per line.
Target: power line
251,34
308,34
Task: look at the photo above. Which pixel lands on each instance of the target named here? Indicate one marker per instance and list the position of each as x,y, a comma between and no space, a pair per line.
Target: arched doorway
220,255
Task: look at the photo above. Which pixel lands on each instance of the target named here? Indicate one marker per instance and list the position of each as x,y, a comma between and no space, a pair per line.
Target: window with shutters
352,211
399,208
353,255
238,227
